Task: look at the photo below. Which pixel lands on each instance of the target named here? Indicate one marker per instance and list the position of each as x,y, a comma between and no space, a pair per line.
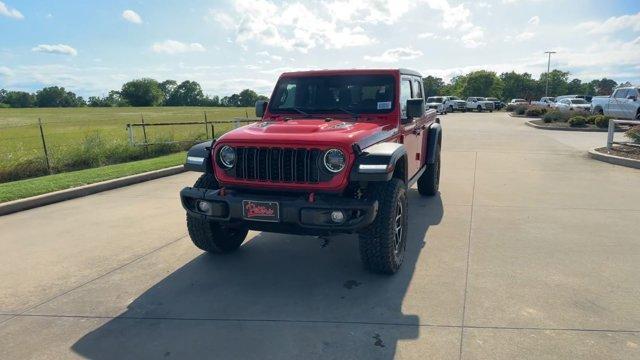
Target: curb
616,160
76,192
529,123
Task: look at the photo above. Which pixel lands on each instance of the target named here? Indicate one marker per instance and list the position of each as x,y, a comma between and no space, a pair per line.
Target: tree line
513,85
150,92
139,92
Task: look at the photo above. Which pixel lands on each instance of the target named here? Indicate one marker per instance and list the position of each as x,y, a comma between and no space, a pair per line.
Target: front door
412,132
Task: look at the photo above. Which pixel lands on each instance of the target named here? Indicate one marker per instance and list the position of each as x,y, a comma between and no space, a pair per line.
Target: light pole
546,91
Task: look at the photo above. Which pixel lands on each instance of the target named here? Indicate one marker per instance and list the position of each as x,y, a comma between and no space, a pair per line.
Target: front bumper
296,214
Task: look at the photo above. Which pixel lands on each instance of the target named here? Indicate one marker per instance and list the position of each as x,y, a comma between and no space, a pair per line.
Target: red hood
306,131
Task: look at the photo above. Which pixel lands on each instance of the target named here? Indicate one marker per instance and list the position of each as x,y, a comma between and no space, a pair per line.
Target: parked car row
446,104
624,103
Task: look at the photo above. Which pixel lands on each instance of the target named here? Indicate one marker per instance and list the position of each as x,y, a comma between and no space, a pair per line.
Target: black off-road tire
381,247
211,236
429,181
450,108
479,108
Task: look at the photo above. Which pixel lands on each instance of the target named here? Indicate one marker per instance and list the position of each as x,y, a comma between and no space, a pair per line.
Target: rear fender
199,157
378,162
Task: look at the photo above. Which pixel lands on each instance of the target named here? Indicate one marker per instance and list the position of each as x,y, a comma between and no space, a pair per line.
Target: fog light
204,206
337,216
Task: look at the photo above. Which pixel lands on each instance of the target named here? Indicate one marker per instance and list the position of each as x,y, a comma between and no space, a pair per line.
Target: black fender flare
378,162
199,157
434,136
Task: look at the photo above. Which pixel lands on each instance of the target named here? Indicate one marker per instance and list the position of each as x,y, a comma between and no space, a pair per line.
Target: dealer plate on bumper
261,210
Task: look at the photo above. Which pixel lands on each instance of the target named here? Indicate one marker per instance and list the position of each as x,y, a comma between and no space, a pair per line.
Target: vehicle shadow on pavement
279,296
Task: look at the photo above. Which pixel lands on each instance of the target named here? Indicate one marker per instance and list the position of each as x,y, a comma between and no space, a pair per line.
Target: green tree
518,86
432,85
142,92
19,99
211,101
575,86
482,83
55,96
167,88
604,86
558,82
188,93
247,97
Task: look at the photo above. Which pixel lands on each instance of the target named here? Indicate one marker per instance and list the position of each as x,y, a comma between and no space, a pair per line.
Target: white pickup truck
454,103
624,103
545,101
436,103
480,104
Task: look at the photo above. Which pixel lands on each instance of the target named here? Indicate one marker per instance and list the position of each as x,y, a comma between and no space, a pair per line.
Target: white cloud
132,17
523,36
59,49
535,20
5,71
176,47
290,26
395,55
369,11
9,12
474,38
612,24
427,35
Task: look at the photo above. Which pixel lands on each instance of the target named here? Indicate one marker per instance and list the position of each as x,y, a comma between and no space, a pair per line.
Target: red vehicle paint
335,151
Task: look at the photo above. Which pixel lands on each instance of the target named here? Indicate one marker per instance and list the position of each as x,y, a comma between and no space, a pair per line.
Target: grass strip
45,184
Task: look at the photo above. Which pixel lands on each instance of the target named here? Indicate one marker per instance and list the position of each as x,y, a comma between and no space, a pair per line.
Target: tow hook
222,192
312,197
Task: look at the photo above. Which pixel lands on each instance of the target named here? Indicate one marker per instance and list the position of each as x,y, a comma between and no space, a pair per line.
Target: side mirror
261,107
632,97
415,108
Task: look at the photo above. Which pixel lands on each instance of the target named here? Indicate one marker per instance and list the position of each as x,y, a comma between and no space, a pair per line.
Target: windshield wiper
300,111
347,111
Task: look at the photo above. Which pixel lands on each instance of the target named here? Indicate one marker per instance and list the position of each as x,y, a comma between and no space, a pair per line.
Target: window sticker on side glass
384,105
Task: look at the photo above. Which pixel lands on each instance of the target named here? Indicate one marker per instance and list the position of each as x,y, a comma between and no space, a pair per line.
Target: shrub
577,121
535,112
510,108
591,119
520,109
601,121
555,115
634,134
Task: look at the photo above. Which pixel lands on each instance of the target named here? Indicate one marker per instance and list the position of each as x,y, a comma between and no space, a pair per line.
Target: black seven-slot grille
278,164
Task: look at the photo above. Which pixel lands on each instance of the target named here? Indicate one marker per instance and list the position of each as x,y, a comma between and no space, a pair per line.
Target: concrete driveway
531,251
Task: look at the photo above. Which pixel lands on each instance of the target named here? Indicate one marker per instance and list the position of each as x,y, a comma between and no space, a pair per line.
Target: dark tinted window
323,94
621,94
405,94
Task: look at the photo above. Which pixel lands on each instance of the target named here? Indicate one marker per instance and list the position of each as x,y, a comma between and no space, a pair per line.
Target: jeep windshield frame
350,95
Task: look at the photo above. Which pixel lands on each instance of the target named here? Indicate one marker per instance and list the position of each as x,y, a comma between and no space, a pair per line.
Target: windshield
492,99
454,98
330,94
578,101
434,99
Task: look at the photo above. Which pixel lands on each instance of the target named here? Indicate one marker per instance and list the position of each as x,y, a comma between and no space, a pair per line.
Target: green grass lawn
68,127
30,187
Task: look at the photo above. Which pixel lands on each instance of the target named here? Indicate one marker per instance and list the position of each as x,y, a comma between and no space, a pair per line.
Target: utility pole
546,91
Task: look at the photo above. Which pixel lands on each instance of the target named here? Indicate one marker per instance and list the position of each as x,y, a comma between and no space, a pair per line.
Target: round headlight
227,156
334,160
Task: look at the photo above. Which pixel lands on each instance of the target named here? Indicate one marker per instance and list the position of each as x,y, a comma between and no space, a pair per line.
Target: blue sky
92,47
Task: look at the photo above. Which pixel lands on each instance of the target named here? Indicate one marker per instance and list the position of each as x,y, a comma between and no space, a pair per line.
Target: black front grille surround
279,165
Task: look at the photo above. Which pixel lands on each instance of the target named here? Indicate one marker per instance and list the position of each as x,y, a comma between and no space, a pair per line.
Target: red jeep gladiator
335,152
